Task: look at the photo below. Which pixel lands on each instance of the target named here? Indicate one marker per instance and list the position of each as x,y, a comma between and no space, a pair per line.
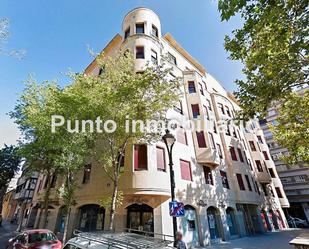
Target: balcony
207,156
263,177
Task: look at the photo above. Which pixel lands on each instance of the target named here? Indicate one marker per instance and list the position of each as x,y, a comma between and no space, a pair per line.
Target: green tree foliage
118,94
9,164
292,130
273,46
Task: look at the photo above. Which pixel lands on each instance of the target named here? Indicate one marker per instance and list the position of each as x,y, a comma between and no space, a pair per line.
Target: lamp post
169,141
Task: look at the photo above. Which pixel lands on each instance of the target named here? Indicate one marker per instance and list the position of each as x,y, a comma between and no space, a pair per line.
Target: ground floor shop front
201,224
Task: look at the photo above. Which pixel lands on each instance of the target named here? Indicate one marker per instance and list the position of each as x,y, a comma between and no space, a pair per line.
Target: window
220,106
140,28
252,146
259,165
233,154
127,33
212,141
40,186
154,57
208,175
228,132
224,179
209,104
140,156
234,132
279,193
257,188
215,127
195,110
181,136
87,173
53,181
201,88
219,151
185,169
264,187
250,164
205,85
206,112
120,159
260,139
240,155
240,182
272,173
171,58
178,108
160,159
154,31
248,182
140,53
191,87
228,111
265,155
201,139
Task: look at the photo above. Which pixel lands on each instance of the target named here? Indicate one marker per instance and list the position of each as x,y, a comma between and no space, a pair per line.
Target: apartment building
295,178
226,180
23,195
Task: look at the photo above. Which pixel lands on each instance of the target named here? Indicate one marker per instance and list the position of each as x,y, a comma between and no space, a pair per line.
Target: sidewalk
271,240
7,230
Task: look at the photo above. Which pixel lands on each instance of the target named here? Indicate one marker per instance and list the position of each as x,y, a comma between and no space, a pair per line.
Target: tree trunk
113,205
46,199
2,193
66,226
21,217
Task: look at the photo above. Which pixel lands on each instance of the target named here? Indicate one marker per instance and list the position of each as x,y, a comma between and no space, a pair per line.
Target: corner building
222,178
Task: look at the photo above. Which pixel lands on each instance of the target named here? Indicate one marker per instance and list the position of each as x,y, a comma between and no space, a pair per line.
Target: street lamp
169,141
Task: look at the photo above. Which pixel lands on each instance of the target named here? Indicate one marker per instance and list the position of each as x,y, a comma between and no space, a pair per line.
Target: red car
35,239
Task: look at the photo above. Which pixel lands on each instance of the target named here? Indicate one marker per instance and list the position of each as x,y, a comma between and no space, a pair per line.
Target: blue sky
56,33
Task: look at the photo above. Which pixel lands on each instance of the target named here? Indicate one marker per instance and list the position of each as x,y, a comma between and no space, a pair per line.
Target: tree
123,95
273,46
291,130
4,35
9,165
49,152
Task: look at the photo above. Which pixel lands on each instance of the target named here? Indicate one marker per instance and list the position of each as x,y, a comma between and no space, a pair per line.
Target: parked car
35,239
119,240
297,222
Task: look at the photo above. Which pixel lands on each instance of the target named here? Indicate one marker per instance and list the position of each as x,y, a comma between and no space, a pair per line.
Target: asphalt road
7,231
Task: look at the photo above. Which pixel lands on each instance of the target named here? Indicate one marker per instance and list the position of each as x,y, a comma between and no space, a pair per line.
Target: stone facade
223,196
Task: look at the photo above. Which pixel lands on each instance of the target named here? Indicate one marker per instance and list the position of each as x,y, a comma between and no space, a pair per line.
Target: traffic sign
177,209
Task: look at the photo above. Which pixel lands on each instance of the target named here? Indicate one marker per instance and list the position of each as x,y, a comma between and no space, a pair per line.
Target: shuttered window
181,136
201,139
185,169
195,110
140,156
240,182
265,155
208,175
233,154
160,159
248,182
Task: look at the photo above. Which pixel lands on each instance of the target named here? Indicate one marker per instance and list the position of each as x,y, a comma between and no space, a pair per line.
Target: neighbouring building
23,194
295,178
9,205
227,181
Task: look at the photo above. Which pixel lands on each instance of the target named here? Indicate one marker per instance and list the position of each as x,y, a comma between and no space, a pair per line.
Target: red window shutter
140,156
265,155
240,182
233,154
201,139
160,159
195,110
181,136
185,169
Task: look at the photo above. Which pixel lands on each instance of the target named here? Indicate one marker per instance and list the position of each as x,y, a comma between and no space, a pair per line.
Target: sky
56,34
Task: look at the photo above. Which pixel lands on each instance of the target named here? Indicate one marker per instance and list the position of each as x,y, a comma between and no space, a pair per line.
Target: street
265,241
7,230
272,240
